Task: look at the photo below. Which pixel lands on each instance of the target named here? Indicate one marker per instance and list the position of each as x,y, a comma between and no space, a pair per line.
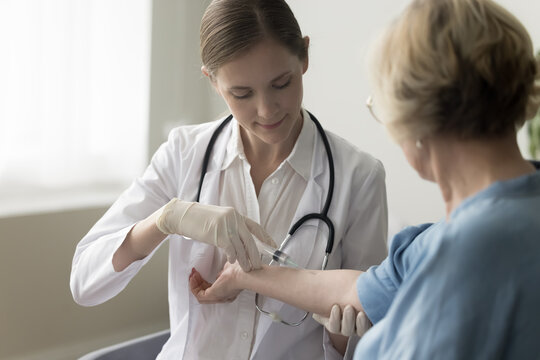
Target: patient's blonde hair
460,67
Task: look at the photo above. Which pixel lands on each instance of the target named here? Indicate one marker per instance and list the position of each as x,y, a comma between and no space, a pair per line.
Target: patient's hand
222,290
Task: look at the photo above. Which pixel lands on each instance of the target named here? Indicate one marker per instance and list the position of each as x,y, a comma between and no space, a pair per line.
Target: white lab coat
358,210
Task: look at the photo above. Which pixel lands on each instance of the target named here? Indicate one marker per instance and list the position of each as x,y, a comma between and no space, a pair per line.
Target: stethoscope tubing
322,216
208,152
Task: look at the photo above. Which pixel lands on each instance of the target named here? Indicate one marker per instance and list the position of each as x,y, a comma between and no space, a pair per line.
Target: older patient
454,79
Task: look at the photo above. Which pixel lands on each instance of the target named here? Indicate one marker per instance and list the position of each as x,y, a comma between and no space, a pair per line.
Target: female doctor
268,164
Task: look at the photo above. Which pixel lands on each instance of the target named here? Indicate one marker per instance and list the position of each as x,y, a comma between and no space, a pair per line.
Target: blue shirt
467,288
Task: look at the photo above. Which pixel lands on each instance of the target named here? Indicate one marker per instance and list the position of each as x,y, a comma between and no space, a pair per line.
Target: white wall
336,88
179,93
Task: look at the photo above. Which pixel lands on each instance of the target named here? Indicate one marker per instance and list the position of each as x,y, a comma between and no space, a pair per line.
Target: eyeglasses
370,106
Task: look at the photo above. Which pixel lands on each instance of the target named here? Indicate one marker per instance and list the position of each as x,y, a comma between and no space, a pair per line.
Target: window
74,94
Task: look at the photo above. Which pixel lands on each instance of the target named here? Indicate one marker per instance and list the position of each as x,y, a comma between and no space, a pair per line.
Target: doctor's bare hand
224,289
220,226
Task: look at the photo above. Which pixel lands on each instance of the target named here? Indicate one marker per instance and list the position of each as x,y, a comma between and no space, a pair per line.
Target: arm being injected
314,291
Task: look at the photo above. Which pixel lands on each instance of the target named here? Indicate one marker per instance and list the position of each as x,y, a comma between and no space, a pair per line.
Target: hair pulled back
231,27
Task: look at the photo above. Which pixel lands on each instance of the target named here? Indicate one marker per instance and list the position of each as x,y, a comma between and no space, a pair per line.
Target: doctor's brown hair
229,28
460,67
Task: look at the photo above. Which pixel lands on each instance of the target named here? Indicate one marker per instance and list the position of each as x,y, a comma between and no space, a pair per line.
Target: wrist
238,277
169,217
247,280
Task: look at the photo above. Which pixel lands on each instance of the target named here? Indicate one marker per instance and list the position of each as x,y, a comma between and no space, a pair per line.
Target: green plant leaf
533,130
534,136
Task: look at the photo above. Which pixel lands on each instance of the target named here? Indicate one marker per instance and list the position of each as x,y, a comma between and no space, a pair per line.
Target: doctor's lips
271,126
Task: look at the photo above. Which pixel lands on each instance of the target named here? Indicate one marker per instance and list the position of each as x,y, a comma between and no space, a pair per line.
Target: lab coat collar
300,157
217,159
235,147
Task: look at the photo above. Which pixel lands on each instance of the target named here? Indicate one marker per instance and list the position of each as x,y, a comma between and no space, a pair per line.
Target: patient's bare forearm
313,290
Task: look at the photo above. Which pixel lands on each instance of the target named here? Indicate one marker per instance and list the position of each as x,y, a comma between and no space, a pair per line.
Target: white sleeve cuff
93,278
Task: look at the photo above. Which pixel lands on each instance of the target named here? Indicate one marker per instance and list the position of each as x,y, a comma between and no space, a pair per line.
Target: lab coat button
275,181
242,156
244,335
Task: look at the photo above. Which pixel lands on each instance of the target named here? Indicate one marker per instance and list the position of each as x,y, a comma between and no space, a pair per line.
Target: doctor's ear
306,59
205,72
212,79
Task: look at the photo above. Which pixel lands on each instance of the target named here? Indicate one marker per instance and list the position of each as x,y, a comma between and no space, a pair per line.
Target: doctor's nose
267,107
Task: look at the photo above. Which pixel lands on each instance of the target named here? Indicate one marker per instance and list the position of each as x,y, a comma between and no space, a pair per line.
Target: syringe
277,255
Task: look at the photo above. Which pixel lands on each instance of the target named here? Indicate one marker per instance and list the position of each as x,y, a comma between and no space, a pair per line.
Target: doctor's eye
241,95
282,85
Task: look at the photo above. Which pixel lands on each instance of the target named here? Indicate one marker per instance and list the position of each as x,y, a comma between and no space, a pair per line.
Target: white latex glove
349,324
220,226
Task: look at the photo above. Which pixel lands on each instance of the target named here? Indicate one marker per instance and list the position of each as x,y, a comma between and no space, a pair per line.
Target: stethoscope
322,216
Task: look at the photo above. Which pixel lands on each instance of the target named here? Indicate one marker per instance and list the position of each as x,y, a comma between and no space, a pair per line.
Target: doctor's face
263,90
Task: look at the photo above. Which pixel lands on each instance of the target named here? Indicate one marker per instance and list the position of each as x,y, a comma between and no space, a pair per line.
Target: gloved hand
220,226
349,324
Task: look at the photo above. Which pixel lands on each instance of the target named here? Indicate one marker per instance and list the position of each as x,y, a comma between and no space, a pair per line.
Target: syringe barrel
265,249
277,255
